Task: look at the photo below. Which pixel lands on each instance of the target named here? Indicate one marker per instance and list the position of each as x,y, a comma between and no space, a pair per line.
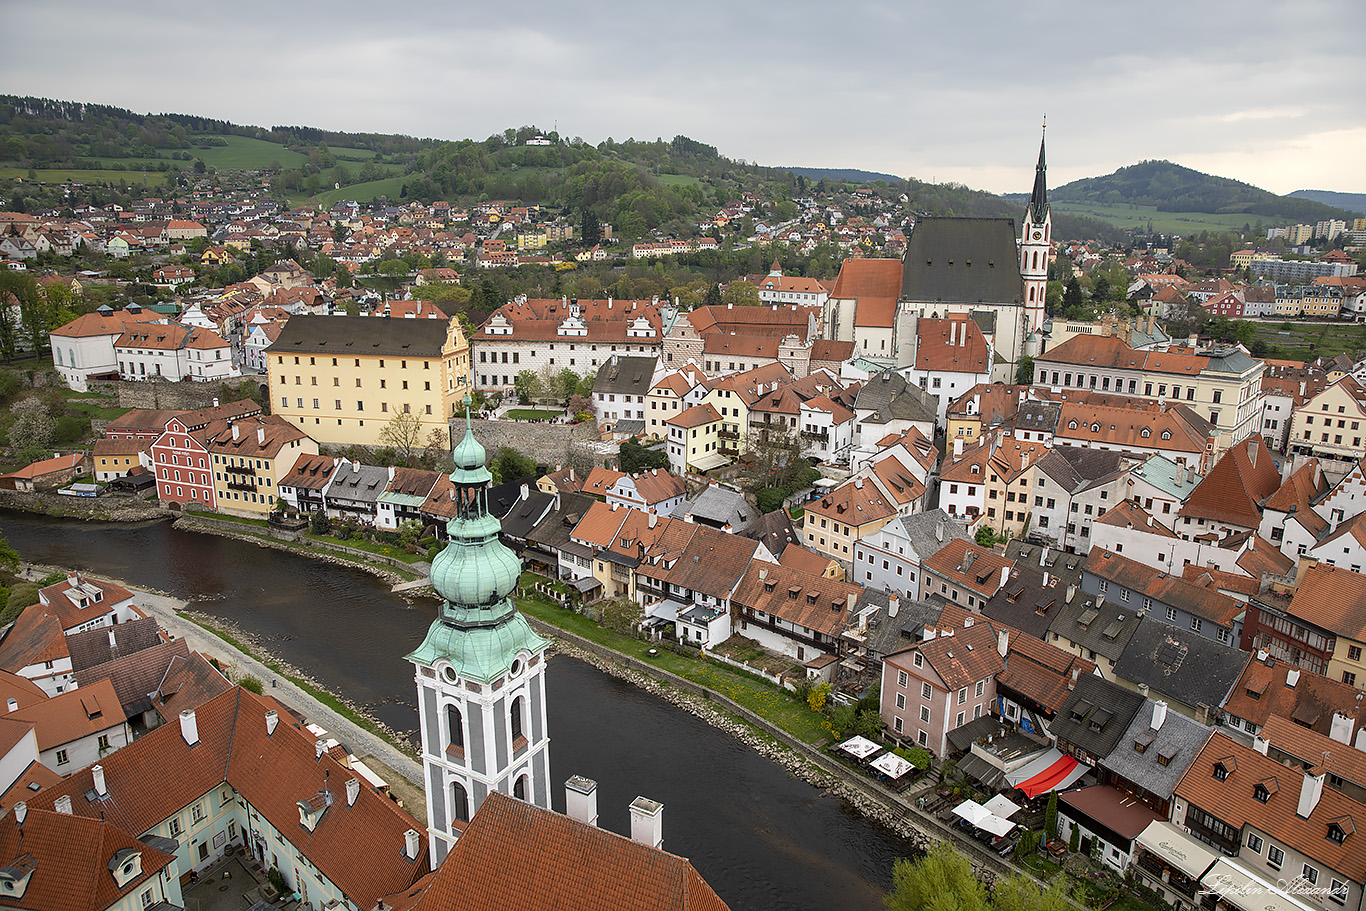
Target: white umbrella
891,765
973,812
861,747
1002,806
996,825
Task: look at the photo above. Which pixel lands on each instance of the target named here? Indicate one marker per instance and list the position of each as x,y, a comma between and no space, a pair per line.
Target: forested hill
1172,188
1352,202
849,175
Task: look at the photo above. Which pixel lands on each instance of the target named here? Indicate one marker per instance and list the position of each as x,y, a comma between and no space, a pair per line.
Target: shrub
320,524
251,683
817,696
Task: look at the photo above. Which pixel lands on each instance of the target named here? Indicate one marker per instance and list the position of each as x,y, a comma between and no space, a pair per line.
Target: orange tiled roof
808,600
875,284
973,567
1234,489
1211,605
1333,598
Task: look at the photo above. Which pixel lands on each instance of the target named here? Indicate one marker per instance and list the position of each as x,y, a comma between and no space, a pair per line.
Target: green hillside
1169,187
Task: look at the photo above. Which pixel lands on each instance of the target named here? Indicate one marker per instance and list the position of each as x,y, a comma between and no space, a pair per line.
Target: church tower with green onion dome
480,671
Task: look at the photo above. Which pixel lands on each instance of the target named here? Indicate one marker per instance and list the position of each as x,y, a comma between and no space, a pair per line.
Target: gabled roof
1234,489
713,562
696,416
808,600
353,337
856,502
1096,715
954,345
96,646
1207,604
1332,598
963,658
1180,664
359,847
561,863
965,563
628,375
1167,750
72,715
1230,799
36,636
962,260
310,472
1270,688
890,397
875,284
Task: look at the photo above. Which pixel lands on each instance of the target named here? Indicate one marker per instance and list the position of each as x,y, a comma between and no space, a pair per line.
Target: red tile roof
560,863
807,600
951,345
1263,692
1332,598
963,562
1234,489
875,284
1206,603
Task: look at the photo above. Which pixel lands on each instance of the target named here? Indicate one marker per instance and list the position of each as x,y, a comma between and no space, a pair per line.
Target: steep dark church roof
962,260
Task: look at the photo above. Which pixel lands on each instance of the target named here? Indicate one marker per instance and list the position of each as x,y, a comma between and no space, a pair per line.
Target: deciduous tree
403,434
942,880
30,436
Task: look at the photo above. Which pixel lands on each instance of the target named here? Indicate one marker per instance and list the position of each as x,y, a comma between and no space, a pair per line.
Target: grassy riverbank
782,708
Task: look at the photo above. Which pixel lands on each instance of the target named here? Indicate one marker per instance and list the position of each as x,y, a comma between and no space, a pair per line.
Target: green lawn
778,706
389,187
384,550
342,153
244,152
1306,340
1132,216
532,414
69,175
677,180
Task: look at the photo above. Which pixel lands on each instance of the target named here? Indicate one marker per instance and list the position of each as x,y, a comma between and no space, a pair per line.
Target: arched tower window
1031,294
460,802
519,788
1036,260
455,730
515,714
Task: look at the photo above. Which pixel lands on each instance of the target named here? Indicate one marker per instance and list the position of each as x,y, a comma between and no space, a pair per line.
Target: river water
761,838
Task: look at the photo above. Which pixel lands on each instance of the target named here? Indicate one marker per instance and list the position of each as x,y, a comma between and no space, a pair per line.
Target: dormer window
1339,829
768,586
126,866
1262,792
1220,772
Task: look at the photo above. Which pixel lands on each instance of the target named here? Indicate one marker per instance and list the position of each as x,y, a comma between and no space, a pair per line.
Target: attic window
1144,741
976,470
1338,830
1165,756
811,598
1071,425
1146,433
1220,771
768,586
1263,790
1087,617
793,592
1099,720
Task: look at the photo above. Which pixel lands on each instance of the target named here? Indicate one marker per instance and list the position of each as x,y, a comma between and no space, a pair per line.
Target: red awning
1049,778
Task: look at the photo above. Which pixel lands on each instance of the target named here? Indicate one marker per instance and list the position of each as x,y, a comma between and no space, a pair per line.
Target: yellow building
1332,424
344,380
848,514
695,440
250,456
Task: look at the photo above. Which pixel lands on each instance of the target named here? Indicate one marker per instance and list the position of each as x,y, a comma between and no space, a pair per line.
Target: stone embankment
105,508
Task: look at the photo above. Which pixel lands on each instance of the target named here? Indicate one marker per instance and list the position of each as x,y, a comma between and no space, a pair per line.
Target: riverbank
105,508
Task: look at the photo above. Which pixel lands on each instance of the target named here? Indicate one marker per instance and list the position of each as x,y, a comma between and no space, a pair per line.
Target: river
762,838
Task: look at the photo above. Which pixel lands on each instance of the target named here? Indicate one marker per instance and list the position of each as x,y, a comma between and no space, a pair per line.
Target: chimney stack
1002,642
63,804
13,704
1341,730
97,773
525,492
1159,715
410,844
352,791
1005,576
647,821
261,436
893,605
653,519
1260,744
272,719
319,748
189,727
20,812
113,640
236,433
1310,792
1292,677
581,799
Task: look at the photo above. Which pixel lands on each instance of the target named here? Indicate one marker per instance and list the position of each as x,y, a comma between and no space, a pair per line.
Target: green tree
985,536
528,385
1073,303
633,457
1024,373
1020,893
30,436
741,294
942,880
590,230
510,465
9,557
713,296
403,434
1050,818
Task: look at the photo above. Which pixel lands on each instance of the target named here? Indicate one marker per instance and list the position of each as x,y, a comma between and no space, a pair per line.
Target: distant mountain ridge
1352,202
1173,188
848,175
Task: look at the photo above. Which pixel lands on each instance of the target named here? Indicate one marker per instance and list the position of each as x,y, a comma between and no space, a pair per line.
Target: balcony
242,485
240,469
728,434
816,436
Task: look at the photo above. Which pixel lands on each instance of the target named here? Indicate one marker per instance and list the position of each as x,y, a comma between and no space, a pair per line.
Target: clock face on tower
1038,235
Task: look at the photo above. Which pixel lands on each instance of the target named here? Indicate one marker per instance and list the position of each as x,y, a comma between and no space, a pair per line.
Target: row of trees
943,880
28,312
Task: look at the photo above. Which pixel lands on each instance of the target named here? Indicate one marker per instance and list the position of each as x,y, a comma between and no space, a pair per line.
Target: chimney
20,812
647,821
113,642
1002,642
13,704
1143,690
858,483
1252,452
953,333
893,605
1292,677
957,447
63,804
261,435
1341,730
1310,792
73,579
653,519
1260,744
215,401
272,719
352,791
319,748
189,727
1005,576
411,841
97,773
581,799
1071,593
236,433
1159,715
526,491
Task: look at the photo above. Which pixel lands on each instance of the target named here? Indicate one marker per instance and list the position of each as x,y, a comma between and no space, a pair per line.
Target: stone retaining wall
163,395
546,443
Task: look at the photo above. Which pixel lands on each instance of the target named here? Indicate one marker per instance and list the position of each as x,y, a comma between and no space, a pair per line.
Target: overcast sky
1269,93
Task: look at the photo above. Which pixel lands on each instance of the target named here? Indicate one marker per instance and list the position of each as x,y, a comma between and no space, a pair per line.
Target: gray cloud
1259,92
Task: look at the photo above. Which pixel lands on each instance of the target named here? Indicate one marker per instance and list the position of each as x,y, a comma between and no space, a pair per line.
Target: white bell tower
1036,237
480,671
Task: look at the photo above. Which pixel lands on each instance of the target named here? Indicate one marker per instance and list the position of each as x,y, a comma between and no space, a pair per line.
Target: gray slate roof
774,530
1106,632
351,336
1025,603
625,375
1182,665
359,483
92,647
1039,417
553,531
927,532
1179,739
715,506
962,260
1096,715
524,515
887,635
891,398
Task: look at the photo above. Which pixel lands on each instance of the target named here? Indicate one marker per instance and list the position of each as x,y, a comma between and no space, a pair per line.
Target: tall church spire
480,671
1038,200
